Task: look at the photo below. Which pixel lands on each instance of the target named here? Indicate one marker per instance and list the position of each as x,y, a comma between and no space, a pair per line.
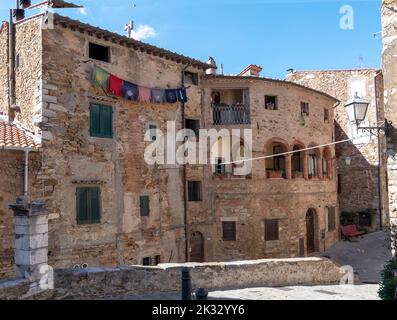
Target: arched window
297,163
327,164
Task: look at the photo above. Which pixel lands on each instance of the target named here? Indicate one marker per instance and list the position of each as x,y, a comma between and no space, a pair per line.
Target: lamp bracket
385,127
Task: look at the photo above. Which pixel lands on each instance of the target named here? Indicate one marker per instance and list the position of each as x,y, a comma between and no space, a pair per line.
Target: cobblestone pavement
366,255
358,292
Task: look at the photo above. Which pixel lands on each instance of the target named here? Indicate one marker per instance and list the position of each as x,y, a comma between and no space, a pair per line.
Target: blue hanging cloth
130,91
182,95
171,95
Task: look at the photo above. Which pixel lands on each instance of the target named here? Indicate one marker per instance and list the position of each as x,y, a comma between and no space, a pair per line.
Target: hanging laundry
130,91
144,94
100,77
158,95
171,95
182,95
115,85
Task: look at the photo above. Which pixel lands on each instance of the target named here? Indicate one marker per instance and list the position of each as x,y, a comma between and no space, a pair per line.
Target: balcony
236,114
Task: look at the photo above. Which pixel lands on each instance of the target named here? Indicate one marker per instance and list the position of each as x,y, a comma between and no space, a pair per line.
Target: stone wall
128,281
359,180
11,186
389,23
4,97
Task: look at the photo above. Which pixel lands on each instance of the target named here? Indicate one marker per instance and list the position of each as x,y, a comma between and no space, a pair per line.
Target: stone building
361,164
389,23
108,206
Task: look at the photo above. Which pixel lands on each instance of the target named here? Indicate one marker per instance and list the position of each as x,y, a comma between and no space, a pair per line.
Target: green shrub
389,282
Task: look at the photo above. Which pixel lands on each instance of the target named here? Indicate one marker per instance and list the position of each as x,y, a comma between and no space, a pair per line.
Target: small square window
191,78
98,52
271,103
272,230
153,132
229,231
195,191
305,108
146,261
193,125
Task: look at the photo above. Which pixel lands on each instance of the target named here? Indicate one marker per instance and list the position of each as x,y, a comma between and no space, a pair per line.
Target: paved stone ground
366,255
359,292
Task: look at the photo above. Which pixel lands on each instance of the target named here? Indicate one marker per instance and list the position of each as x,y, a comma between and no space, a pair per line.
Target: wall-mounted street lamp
357,111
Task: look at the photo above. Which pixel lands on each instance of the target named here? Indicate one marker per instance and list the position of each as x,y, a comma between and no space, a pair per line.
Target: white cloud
144,32
83,11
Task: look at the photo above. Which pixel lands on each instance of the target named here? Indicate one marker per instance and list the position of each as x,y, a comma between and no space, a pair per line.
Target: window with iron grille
193,125
229,231
331,219
88,205
220,168
195,191
272,230
146,261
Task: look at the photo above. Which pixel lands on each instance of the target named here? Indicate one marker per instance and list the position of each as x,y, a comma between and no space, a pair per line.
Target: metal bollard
186,284
201,294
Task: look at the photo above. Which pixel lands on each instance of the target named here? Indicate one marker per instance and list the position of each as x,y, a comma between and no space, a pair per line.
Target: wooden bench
351,231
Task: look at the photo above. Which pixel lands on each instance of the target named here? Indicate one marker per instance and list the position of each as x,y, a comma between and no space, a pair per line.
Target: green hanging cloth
100,77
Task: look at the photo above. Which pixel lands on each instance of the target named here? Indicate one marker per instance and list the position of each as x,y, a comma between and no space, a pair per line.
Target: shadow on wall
358,183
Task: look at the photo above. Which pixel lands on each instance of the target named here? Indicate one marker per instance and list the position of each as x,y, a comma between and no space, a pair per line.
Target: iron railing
235,114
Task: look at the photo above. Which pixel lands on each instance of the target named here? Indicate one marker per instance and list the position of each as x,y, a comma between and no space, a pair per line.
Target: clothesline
133,92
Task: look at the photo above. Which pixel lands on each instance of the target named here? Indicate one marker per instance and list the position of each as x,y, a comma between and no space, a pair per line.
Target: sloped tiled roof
13,137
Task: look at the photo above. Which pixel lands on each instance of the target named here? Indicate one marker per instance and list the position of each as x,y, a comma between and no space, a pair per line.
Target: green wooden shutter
95,120
106,121
95,208
144,206
82,208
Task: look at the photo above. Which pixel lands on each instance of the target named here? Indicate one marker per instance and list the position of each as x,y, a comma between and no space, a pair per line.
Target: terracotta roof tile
13,137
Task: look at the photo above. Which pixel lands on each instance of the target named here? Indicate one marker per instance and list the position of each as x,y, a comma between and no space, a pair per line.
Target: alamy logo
346,21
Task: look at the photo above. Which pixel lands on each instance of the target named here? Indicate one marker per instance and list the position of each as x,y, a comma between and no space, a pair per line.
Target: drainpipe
185,202
11,65
380,157
26,174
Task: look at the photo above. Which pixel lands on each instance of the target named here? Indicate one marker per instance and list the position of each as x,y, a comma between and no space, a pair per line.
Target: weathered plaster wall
358,180
4,69
389,27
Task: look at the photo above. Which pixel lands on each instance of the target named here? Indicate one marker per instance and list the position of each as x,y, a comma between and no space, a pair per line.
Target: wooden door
197,247
310,232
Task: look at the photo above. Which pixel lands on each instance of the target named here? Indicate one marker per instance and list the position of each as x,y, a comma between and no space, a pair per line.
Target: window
220,168
193,125
271,103
339,183
272,230
229,231
325,168
146,261
304,108
17,60
144,206
98,52
153,132
195,191
101,121
151,261
88,206
278,161
326,116
331,219
191,78
312,164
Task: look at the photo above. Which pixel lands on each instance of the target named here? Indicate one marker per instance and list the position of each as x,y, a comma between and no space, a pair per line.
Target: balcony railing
235,114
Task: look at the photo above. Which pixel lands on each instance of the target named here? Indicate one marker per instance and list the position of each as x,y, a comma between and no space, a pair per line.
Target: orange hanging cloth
115,85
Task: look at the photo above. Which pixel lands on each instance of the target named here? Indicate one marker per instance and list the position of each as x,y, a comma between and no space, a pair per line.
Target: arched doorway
310,231
197,247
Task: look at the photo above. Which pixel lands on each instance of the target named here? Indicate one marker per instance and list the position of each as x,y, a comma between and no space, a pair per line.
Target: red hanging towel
115,85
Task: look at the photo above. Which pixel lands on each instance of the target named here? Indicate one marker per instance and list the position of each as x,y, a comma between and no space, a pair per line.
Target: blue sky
275,34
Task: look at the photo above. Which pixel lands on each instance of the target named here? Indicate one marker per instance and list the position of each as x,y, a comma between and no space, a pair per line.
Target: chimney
212,66
251,71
